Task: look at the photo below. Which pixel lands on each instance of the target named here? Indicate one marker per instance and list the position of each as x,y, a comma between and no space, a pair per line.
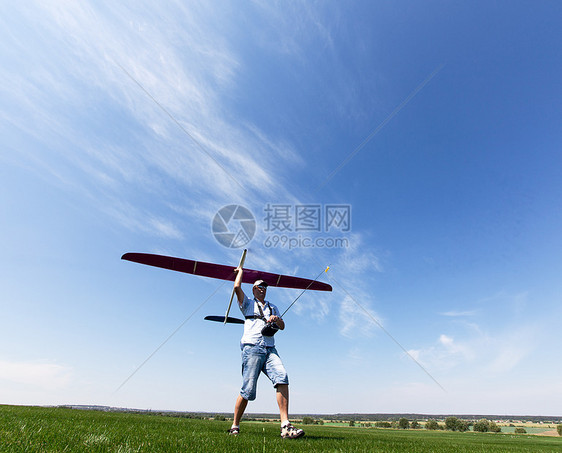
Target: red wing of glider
223,272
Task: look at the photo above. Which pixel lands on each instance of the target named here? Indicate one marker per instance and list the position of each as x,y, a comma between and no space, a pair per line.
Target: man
259,355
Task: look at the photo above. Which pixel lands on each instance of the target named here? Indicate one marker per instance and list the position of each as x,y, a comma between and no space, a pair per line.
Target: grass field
57,430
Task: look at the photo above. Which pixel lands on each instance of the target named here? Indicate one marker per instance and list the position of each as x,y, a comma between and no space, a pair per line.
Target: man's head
259,289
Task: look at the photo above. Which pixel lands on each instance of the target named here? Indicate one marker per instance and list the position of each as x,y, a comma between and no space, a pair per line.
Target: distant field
58,429
531,428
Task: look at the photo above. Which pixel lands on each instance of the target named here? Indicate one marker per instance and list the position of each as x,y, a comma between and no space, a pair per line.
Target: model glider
224,272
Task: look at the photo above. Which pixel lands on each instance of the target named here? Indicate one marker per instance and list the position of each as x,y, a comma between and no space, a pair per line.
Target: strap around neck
260,309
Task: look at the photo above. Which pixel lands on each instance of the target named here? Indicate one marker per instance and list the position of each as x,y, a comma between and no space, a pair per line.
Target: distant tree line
311,421
451,423
418,416
383,424
403,423
433,425
455,424
483,426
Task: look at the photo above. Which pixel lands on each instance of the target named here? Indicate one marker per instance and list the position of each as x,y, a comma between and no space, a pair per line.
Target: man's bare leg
288,431
239,409
283,402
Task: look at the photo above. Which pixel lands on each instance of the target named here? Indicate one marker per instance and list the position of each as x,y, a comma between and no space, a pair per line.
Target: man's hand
277,321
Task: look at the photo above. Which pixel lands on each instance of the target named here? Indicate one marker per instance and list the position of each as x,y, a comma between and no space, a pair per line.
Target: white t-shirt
252,327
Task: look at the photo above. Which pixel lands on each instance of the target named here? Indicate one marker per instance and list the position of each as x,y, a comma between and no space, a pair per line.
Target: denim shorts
260,358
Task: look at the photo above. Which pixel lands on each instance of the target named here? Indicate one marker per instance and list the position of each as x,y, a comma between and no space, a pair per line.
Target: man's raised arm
238,285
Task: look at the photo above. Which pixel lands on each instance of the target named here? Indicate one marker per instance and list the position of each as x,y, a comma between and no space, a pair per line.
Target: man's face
259,292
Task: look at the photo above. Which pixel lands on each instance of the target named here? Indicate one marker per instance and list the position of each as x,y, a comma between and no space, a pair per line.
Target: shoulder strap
260,309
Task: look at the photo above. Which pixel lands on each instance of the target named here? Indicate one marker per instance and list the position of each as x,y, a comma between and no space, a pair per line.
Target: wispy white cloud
351,272
459,314
507,357
85,113
360,259
353,321
290,25
98,134
478,351
165,228
40,374
360,264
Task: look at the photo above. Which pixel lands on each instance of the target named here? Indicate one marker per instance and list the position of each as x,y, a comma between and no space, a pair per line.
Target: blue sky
127,127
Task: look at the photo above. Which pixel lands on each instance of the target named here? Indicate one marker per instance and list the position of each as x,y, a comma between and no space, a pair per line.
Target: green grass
58,430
